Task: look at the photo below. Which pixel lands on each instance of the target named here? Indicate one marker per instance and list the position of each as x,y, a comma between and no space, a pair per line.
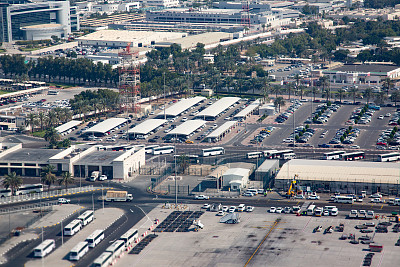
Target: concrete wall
128,163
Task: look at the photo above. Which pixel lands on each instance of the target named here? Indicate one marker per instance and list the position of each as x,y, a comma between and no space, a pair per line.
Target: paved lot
60,255
289,243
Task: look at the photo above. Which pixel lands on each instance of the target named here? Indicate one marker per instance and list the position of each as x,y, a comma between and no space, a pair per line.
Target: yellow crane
291,192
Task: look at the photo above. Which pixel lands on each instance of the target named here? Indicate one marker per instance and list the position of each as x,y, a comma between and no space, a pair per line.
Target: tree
48,177
42,118
380,98
395,97
52,136
12,181
353,91
279,102
340,93
183,162
387,84
324,82
367,93
32,120
66,179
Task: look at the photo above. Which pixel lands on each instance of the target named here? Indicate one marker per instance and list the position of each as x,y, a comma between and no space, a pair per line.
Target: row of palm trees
49,119
14,181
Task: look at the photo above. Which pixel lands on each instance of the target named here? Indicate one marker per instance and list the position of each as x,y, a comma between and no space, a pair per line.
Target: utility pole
165,115
62,234
176,192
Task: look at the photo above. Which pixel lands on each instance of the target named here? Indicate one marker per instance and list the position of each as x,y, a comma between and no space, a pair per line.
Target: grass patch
2,92
39,134
61,85
2,50
25,49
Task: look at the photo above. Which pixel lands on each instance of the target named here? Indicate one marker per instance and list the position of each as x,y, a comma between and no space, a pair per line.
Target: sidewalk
58,214
101,221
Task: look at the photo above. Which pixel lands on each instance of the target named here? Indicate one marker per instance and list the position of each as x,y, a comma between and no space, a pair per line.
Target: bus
95,238
163,150
30,188
79,251
53,92
333,155
213,151
281,154
318,212
289,156
254,155
116,248
352,156
395,156
310,210
5,192
86,217
269,154
344,199
129,237
191,158
104,260
149,149
44,248
73,227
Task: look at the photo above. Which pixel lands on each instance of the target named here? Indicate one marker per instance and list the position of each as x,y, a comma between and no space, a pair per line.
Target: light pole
80,172
62,234
176,192
93,202
102,197
165,115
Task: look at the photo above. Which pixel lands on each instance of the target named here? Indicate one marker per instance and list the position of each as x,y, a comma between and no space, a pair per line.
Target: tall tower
129,80
246,23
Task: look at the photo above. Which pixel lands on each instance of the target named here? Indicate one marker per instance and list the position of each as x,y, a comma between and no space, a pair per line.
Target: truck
112,195
94,176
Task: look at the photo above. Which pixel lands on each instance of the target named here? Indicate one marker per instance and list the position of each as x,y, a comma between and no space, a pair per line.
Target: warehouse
340,176
186,129
145,128
180,107
267,171
221,131
236,178
216,109
104,127
247,111
67,126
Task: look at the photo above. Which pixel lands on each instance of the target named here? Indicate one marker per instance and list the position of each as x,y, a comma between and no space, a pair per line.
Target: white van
241,207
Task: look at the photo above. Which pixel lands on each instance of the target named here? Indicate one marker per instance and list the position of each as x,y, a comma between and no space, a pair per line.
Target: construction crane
293,186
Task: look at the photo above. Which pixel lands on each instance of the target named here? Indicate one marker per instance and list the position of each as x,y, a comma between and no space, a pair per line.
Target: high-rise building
17,19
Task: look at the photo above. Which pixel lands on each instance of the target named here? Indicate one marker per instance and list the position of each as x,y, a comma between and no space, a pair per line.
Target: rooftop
100,157
41,26
218,107
106,125
192,40
247,110
181,106
267,165
67,126
377,68
187,127
131,36
34,155
147,126
221,129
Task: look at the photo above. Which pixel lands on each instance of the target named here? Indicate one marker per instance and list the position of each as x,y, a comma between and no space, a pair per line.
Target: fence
33,196
34,206
156,181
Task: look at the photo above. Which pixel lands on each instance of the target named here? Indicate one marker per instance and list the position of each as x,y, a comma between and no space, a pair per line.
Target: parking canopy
147,126
105,126
217,108
247,110
186,128
180,107
221,130
66,126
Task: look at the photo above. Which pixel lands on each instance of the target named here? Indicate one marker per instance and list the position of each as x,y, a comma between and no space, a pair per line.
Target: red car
381,144
43,100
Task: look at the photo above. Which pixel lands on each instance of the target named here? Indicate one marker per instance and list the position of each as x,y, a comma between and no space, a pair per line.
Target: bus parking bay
221,244
59,257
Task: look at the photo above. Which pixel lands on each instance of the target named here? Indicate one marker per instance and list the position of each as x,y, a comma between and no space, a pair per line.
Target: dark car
152,140
324,145
73,138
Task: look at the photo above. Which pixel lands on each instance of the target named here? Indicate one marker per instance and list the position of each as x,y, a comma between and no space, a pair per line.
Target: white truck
95,175
118,196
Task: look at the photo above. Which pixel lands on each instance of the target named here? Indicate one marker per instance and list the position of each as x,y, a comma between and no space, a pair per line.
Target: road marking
131,210
297,203
262,242
381,206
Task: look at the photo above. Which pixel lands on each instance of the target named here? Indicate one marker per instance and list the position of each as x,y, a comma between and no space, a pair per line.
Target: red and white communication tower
129,80
246,23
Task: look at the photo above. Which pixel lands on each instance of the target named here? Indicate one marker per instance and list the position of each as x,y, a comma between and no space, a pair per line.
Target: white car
225,208
380,117
206,206
377,195
313,197
326,213
279,210
248,194
377,200
220,213
355,147
64,201
249,208
299,196
201,197
272,210
232,209
102,177
388,115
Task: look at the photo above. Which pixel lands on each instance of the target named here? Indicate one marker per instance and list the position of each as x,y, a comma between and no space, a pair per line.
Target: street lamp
102,196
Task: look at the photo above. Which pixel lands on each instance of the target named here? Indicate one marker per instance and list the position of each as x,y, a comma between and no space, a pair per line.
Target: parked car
64,201
201,197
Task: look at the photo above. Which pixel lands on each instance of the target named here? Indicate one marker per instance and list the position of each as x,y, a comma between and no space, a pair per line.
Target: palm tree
395,97
367,93
279,102
42,118
52,136
48,177
324,81
183,162
32,120
380,98
353,91
341,93
314,90
387,84
12,181
66,179
276,89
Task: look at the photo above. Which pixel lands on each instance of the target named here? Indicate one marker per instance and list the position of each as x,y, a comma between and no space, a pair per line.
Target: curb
61,219
5,252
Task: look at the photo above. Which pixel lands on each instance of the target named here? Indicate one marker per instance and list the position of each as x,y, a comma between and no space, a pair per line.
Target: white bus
104,260
344,199
86,217
5,192
281,154
95,238
269,154
395,156
30,188
79,251
254,155
53,92
44,248
149,149
333,155
352,156
318,211
73,227
163,150
310,210
129,237
116,248
213,151
289,156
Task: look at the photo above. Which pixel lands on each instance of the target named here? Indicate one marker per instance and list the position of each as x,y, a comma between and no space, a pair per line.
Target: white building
162,3
236,178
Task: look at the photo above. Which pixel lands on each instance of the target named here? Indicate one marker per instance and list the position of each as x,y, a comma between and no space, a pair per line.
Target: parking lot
260,237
